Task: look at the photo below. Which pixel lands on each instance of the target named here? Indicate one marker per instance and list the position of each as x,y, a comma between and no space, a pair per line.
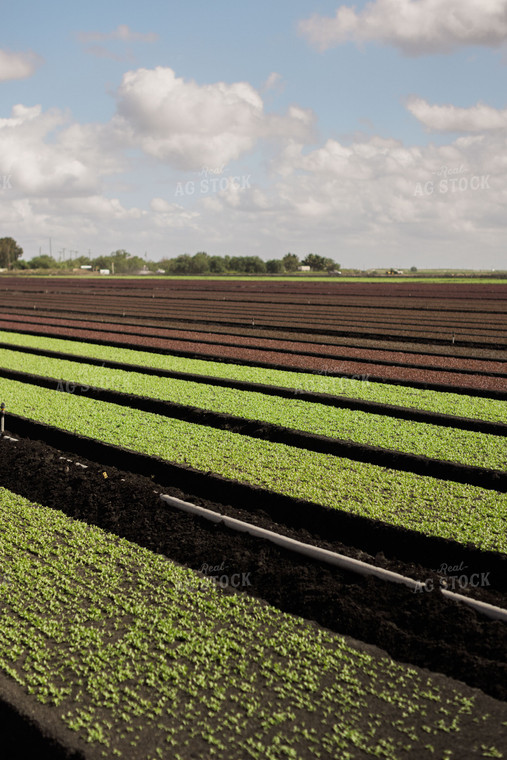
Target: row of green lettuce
436,507
445,443
141,658
433,401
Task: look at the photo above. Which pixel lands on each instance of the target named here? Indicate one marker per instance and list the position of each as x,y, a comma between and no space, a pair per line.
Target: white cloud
122,32
335,199
99,207
366,196
273,82
21,114
449,118
173,215
18,65
416,27
100,51
47,158
190,125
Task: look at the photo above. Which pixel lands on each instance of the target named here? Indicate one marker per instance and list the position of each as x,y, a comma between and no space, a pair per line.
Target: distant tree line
202,263
122,262
119,262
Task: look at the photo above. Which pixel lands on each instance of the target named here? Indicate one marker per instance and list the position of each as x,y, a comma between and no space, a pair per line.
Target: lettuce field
365,418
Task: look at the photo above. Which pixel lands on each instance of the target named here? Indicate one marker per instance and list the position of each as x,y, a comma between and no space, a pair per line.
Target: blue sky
374,133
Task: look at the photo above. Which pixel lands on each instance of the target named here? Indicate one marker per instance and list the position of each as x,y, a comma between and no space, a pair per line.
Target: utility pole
50,248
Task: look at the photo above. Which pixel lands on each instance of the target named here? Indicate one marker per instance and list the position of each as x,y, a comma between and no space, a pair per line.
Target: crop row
142,658
401,347
446,351
452,356
261,342
445,288
436,507
265,287
267,358
156,305
305,316
447,444
413,306
433,401
332,312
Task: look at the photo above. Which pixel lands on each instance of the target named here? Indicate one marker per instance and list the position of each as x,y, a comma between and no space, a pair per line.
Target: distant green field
282,278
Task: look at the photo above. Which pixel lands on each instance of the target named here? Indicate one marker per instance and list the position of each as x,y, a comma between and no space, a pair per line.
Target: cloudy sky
374,133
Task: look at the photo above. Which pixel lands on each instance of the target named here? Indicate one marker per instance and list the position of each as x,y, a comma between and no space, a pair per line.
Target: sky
373,133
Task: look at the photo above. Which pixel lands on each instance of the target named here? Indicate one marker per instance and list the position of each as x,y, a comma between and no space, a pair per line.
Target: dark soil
419,628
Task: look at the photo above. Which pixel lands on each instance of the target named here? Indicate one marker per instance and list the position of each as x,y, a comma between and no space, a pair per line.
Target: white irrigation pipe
331,558
78,464
2,425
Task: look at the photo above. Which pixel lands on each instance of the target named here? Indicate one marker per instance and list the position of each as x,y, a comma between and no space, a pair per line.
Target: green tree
102,262
21,264
254,265
75,263
122,262
181,264
237,264
165,264
331,265
274,266
200,263
316,263
82,261
43,262
290,262
217,264
10,251
413,269
132,264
